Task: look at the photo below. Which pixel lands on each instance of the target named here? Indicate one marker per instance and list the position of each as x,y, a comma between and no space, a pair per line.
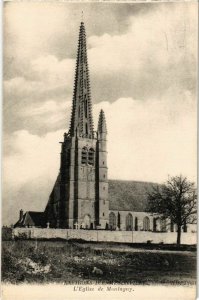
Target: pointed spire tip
102,122
81,116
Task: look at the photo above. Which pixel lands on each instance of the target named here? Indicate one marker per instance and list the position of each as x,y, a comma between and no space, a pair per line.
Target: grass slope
67,262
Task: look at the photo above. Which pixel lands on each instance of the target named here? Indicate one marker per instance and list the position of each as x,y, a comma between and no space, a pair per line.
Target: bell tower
80,196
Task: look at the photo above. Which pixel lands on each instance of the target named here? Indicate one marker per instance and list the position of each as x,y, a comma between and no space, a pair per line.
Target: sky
142,62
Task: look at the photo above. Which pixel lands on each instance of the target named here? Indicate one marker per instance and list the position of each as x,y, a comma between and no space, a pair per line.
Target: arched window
163,225
136,224
91,155
86,127
129,222
112,221
84,155
146,224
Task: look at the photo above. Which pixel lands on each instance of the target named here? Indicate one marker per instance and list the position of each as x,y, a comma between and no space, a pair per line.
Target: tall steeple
80,194
81,119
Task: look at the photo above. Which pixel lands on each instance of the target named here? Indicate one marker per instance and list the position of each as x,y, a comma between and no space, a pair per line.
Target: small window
103,214
104,176
103,162
86,128
104,188
104,202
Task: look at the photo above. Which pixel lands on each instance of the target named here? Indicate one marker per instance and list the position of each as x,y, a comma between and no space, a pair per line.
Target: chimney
20,214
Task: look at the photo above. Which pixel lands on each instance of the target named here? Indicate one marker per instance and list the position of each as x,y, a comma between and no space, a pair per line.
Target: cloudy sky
142,61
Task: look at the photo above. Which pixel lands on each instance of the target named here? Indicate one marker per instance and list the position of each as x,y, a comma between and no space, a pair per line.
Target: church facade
80,197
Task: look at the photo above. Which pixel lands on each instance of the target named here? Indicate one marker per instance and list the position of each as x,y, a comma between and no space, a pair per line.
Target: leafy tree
176,200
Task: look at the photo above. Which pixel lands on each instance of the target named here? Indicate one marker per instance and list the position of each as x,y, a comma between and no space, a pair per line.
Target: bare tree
176,200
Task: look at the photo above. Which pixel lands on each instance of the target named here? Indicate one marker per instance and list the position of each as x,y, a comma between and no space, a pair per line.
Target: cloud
52,114
19,86
48,85
47,73
47,107
36,29
28,24
52,71
142,61
33,157
158,133
151,140
153,53
162,46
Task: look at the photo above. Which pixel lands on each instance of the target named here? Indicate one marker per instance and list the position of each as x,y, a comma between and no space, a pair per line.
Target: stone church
81,194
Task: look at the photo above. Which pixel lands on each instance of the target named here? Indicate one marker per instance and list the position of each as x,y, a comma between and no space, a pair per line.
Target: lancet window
84,155
91,156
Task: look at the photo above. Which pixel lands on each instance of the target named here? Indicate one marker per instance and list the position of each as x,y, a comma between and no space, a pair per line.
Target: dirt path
122,248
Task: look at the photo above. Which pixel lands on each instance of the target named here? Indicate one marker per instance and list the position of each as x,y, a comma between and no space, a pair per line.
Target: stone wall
105,236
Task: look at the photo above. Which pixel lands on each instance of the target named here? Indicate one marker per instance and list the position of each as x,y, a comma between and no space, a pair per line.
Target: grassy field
69,262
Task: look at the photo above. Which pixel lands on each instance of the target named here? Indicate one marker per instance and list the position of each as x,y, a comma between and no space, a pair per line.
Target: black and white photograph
99,141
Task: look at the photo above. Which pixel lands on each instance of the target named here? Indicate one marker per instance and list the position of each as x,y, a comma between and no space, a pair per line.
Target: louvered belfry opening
81,124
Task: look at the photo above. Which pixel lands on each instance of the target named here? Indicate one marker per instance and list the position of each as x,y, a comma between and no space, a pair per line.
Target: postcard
99,150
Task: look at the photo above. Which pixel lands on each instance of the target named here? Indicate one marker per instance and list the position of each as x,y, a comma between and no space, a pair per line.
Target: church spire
102,122
81,118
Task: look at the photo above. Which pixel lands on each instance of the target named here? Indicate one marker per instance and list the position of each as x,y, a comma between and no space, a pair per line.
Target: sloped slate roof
20,223
128,195
38,218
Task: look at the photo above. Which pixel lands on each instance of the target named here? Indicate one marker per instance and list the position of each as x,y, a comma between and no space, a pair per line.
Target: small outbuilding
31,219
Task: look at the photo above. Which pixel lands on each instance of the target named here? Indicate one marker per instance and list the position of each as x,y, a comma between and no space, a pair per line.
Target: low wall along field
105,236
